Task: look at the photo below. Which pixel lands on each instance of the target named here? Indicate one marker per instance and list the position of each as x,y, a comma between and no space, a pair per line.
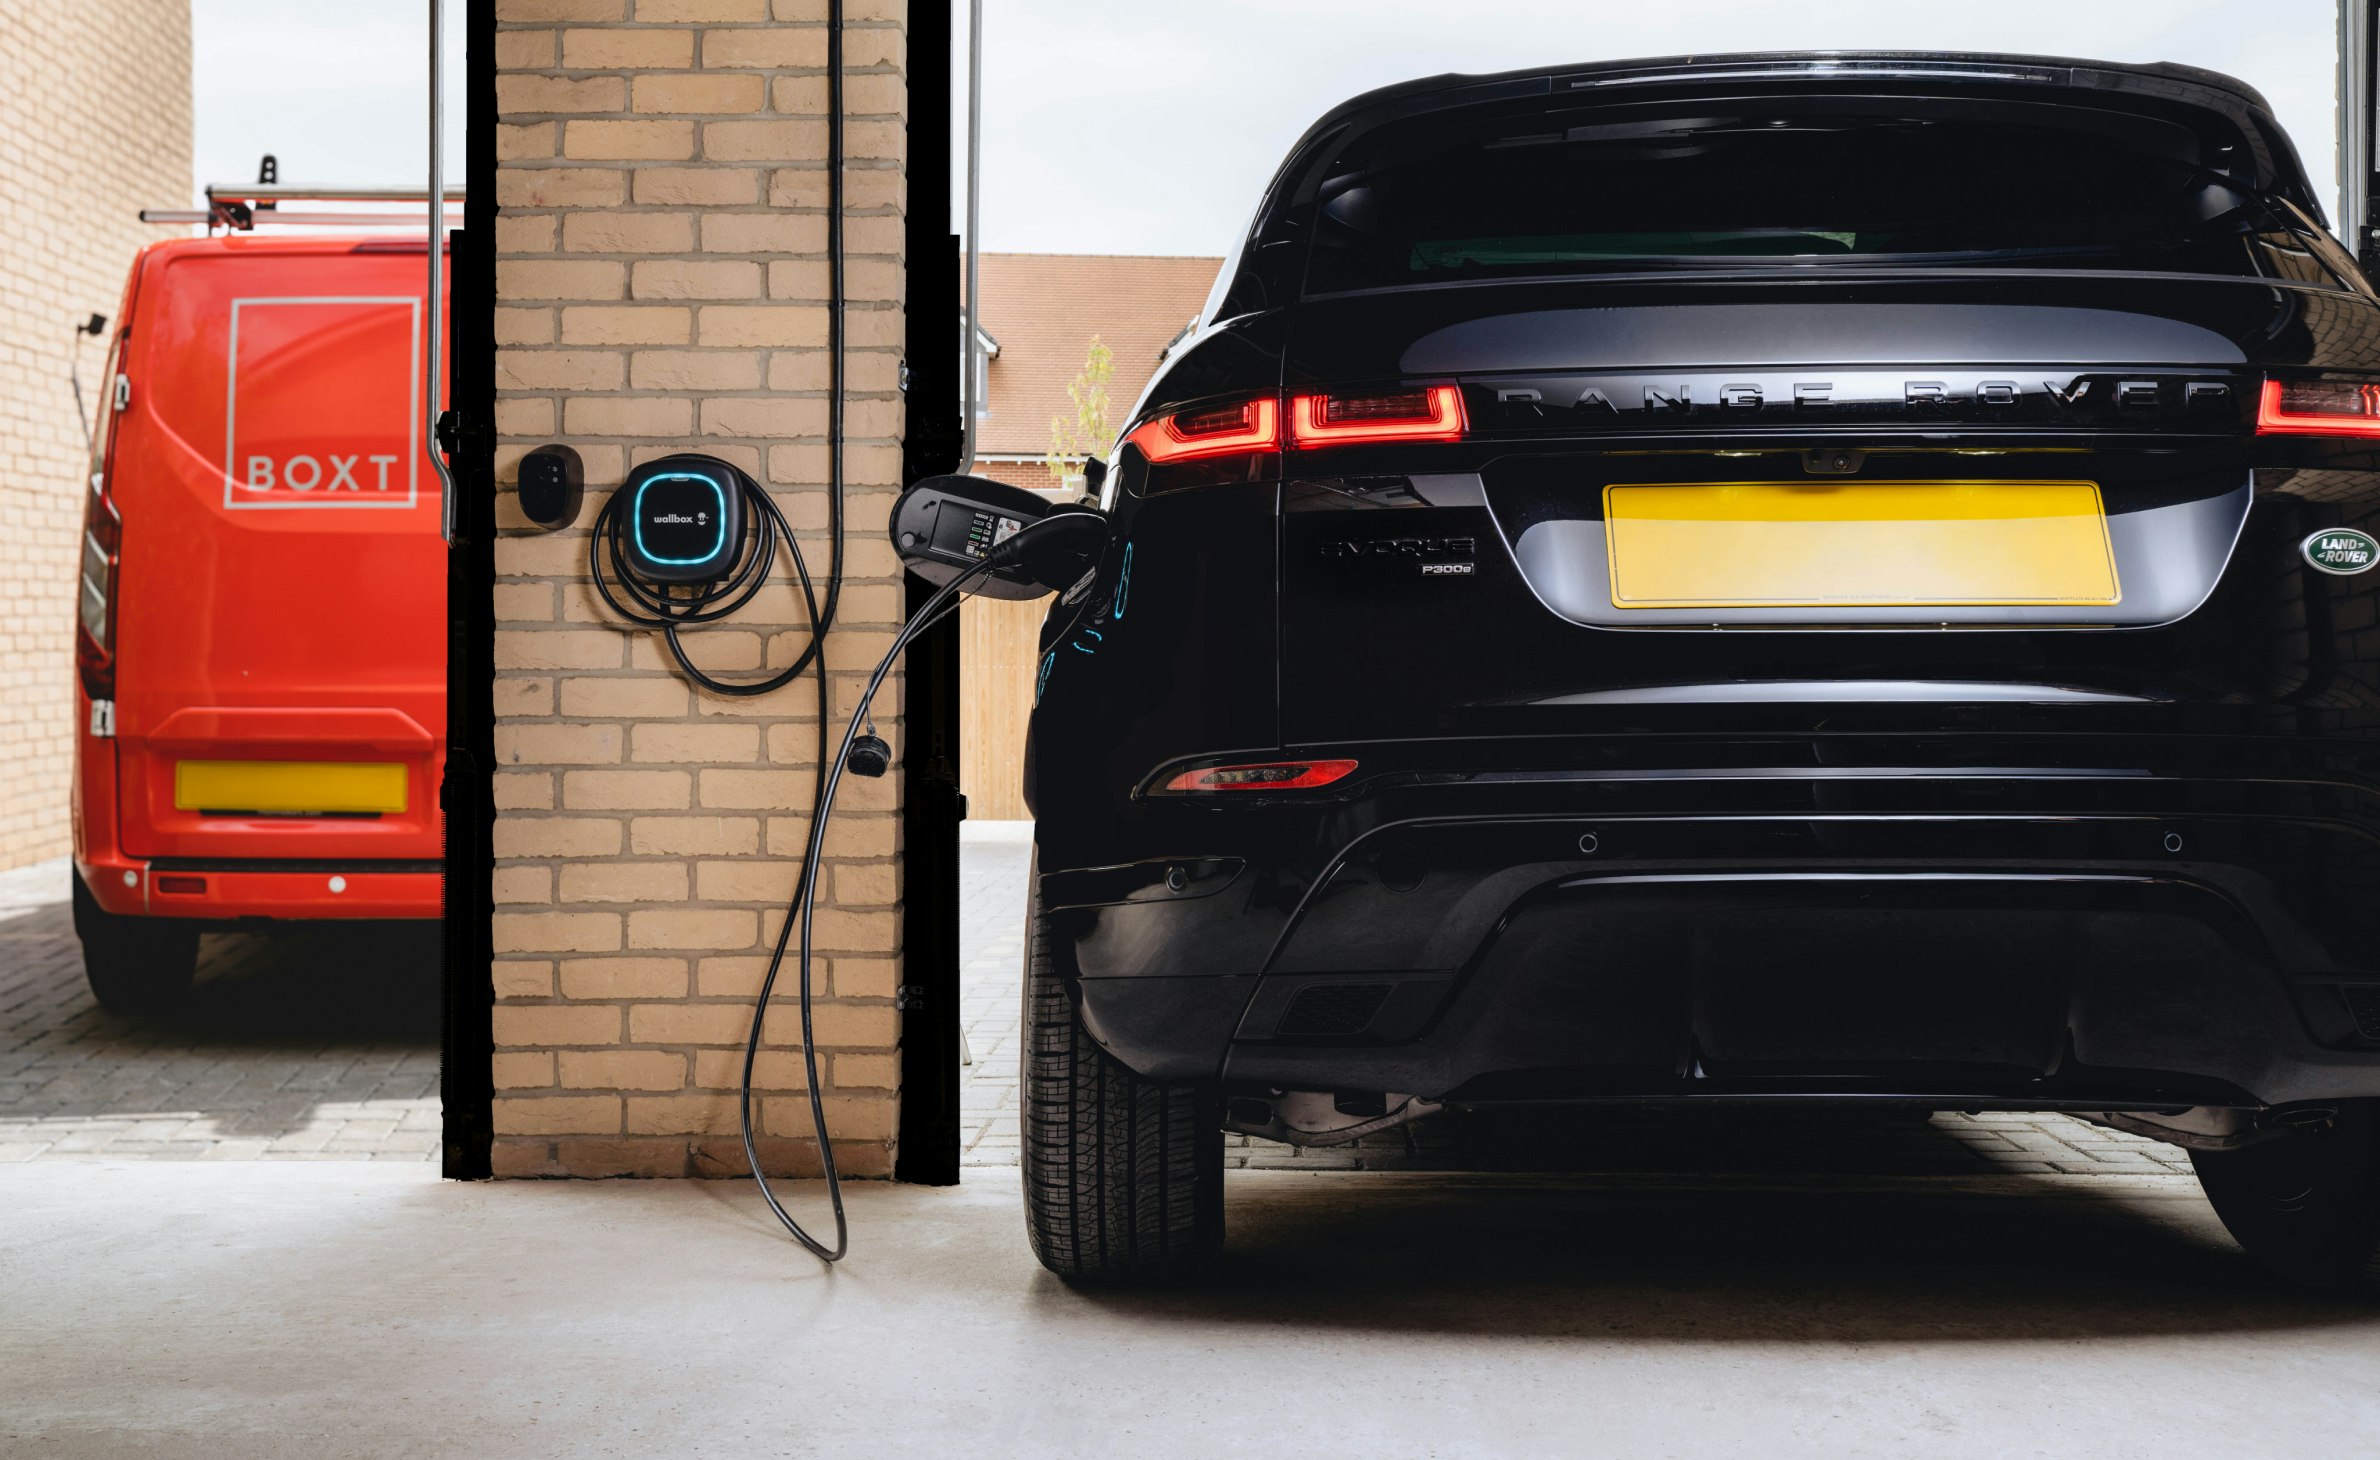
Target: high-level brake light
1232,430
1427,413
2319,408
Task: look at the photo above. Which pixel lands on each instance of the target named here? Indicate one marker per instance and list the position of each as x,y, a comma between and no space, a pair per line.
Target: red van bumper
222,891
231,868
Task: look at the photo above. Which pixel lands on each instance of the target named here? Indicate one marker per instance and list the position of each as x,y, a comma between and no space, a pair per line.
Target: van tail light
95,627
1426,413
1232,430
2319,408
1280,775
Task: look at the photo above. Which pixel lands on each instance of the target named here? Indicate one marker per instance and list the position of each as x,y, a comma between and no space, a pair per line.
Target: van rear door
281,590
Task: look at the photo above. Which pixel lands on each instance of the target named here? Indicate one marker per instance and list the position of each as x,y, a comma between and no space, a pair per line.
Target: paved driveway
323,1044
318,1045
994,856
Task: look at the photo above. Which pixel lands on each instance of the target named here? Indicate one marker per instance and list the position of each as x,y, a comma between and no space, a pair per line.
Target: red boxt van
262,633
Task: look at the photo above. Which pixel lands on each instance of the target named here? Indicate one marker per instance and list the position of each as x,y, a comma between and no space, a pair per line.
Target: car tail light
95,629
1426,413
2319,408
1280,775
1246,426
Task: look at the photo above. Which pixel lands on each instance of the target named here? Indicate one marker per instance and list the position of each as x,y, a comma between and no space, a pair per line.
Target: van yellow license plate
288,786
1859,545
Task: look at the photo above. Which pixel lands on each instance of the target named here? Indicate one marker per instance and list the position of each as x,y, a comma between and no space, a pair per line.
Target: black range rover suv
1764,578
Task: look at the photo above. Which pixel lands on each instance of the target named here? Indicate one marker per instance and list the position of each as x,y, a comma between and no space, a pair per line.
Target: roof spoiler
241,206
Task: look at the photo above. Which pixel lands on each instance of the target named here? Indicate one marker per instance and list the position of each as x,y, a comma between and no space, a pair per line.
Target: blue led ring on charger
685,519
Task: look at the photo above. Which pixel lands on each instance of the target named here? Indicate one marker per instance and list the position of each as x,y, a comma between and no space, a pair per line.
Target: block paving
323,1045
993,861
309,1046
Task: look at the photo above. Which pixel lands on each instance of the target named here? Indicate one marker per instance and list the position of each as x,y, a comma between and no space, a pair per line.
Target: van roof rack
241,206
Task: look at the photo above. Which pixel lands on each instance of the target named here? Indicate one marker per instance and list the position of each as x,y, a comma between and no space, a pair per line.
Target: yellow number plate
288,785
1858,545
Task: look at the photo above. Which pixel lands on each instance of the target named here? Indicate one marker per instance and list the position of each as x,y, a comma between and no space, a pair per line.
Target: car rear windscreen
1796,183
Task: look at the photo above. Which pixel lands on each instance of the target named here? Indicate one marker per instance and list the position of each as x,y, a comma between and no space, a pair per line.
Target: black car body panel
2095,855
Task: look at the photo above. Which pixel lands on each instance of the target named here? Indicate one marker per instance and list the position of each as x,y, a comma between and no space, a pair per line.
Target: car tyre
135,966
2306,1206
1123,1175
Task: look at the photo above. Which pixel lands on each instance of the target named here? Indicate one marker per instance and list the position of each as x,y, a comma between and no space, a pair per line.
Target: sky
1150,126
337,89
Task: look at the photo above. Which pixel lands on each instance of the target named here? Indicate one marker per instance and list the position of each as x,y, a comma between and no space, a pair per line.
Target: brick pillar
662,281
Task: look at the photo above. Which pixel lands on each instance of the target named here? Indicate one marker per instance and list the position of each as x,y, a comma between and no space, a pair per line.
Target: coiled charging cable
671,607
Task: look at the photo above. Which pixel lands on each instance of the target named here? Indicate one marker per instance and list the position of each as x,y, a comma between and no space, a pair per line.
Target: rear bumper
230,890
1964,940
230,867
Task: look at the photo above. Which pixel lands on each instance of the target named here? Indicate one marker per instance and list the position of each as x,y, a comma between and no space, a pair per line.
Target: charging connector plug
869,756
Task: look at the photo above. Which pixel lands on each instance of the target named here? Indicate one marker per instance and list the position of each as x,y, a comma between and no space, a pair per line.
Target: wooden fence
997,668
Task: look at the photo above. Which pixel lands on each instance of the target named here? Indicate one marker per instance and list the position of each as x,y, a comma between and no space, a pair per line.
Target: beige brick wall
95,109
662,285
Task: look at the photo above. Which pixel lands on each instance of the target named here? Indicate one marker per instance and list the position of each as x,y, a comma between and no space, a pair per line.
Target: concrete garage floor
1771,1286
367,1309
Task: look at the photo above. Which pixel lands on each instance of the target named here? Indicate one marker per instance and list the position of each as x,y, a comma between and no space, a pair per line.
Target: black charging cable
674,607
867,757
805,897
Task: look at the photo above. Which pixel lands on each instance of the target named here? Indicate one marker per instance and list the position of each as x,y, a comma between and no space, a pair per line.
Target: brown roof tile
1044,308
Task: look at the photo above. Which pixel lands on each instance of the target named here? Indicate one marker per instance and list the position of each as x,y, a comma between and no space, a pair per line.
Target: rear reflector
1285,775
1253,425
1431,413
176,882
2318,408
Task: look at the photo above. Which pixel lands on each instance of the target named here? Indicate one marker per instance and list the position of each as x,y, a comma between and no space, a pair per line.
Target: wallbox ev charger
685,519
689,540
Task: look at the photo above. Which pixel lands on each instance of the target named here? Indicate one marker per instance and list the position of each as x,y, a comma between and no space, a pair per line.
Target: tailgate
1570,588
281,640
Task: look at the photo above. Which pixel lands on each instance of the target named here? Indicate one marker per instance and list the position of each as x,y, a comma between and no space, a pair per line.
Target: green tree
1087,434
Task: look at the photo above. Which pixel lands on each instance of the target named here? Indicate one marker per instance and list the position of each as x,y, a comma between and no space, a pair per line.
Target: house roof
1044,308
